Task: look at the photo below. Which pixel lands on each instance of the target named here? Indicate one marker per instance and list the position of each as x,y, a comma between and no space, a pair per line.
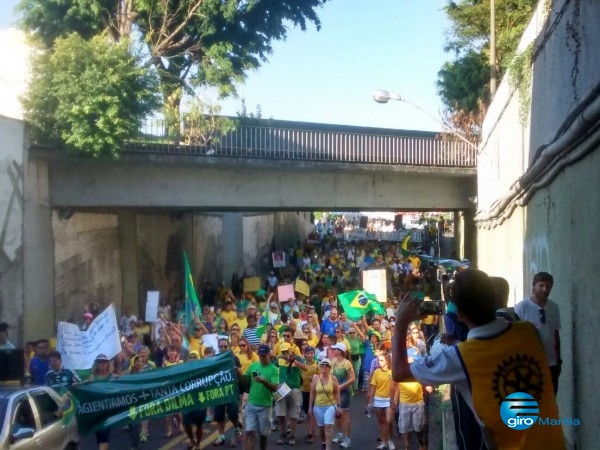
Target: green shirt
357,347
259,394
292,376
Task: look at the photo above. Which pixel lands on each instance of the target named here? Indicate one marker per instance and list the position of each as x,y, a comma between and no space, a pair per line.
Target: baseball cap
263,350
284,347
339,346
325,362
308,348
102,357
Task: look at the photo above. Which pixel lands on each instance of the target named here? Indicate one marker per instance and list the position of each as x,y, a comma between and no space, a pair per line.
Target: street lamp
381,96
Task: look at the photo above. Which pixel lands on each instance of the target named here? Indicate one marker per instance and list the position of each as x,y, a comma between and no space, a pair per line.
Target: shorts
381,402
411,417
289,405
345,399
232,412
256,418
324,415
195,417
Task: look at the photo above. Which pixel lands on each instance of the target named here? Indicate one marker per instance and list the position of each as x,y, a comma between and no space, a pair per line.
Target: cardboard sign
152,306
80,348
375,282
302,287
278,259
251,284
285,292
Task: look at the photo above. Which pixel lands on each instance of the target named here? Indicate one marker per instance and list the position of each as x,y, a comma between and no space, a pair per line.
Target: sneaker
273,426
291,440
309,439
338,438
220,440
238,432
144,436
323,446
382,447
346,443
282,439
391,445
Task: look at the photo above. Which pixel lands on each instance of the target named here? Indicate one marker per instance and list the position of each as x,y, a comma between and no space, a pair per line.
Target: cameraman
494,352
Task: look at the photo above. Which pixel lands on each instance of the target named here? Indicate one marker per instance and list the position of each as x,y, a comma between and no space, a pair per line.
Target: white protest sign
80,348
152,306
278,259
211,340
375,282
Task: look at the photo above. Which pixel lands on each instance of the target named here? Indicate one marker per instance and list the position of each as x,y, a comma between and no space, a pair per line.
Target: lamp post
381,96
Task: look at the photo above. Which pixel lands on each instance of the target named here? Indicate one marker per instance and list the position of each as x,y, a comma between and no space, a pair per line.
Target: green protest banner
155,393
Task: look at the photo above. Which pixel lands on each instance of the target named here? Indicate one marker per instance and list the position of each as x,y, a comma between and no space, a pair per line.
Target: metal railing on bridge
271,142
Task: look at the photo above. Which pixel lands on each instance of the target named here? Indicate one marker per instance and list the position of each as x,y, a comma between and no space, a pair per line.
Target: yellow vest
513,361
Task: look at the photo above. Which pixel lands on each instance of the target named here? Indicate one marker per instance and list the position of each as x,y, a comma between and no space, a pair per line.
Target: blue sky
328,76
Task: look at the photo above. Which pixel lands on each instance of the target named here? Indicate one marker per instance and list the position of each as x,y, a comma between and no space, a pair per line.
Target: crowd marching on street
326,356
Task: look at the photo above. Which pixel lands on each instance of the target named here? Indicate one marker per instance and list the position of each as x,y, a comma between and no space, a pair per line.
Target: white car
29,419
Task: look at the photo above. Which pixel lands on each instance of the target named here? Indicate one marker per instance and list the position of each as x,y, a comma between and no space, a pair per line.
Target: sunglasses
542,315
243,346
352,332
235,329
325,365
287,335
223,346
337,331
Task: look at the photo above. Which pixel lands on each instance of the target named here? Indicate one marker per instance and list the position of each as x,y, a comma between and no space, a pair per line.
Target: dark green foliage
89,96
467,75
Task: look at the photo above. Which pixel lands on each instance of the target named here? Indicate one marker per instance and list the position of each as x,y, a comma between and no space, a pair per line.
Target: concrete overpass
278,166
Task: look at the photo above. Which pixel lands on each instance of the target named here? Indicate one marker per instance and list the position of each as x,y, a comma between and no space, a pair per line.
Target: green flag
192,305
156,393
358,303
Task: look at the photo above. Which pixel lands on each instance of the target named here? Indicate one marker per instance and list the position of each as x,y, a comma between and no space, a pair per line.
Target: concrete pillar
469,235
233,244
38,253
457,232
129,265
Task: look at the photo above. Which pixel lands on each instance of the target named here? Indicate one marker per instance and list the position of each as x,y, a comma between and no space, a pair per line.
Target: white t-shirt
125,323
529,311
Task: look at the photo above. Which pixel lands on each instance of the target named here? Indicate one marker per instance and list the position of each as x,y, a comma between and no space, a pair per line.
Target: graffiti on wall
537,255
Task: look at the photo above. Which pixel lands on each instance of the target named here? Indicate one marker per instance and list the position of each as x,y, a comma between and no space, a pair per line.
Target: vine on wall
520,75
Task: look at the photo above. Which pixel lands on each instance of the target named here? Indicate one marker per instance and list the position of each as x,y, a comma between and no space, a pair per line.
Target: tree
189,42
89,96
463,83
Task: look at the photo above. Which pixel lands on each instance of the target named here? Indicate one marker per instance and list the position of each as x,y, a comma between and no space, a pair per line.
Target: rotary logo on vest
520,411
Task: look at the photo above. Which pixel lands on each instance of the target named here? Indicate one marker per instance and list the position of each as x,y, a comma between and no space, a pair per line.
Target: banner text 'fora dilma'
155,393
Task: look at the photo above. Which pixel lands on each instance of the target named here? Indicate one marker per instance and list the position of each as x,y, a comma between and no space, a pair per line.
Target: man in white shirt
542,312
126,322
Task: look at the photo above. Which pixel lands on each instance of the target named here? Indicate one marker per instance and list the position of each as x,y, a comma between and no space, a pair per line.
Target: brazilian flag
405,242
358,303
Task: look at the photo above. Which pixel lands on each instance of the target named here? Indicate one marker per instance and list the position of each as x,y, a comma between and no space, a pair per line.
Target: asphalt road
364,435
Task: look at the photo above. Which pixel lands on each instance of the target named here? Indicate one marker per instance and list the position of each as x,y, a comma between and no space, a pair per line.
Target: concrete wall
11,216
548,219
87,263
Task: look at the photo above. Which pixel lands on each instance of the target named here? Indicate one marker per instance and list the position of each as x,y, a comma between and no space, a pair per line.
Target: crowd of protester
308,342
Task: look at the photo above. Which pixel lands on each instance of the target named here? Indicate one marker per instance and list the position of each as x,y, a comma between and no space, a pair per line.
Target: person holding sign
289,406
264,381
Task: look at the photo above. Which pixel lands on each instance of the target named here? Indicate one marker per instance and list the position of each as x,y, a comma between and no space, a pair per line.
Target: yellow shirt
243,323
410,392
295,349
307,375
245,361
229,316
313,340
382,380
324,395
196,344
